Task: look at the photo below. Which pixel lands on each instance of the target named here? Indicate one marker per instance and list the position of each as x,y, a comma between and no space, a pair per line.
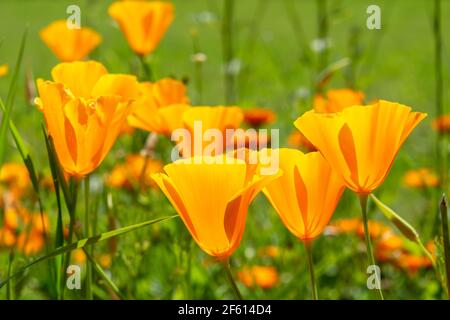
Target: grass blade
86,242
10,98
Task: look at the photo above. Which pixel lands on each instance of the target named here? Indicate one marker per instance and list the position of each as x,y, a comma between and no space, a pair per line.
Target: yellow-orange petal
69,44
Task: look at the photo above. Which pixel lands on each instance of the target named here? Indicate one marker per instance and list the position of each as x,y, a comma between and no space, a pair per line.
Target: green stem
446,241
226,266
147,74
10,286
72,206
89,294
227,50
308,247
363,203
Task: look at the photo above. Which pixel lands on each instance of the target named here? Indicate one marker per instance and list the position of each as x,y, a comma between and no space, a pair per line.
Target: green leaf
404,227
86,242
10,98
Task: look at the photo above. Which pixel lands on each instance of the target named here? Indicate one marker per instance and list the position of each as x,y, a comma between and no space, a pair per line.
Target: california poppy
361,142
144,23
212,195
160,107
257,117
305,197
198,121
337,99
442,124
69,44
85,108
421,178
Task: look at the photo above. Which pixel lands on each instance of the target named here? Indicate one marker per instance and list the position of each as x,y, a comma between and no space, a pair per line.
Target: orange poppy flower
442,124
337,100
421,178
199,121
3,70
85,109
361,142
306,195
15,176
257,117
265,277
212,195
297,139
69,44
23,231
144,23
161,106
269,251
128,175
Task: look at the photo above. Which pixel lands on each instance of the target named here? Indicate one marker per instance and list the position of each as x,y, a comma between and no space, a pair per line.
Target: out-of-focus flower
307,193
144,23
3,70
337,100
69,44
297,140
212,195
23,230
161,106
199,120
85,109
421,178
15,177
78,256
105,260
361,142
412,263
265,277
442,124
256,117
269,251
129,174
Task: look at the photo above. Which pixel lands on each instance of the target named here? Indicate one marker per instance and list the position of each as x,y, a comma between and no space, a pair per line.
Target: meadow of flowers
221,149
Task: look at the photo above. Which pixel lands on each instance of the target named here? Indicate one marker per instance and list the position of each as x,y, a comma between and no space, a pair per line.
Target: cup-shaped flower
307,193
69,44
206,130
337,100
361,142
84,110
212,195
160,107
144,23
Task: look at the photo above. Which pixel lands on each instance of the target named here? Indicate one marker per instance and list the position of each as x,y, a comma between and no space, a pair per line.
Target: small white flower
199,57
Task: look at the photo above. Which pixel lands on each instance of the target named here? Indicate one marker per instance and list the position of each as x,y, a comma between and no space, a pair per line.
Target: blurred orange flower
161,106
421,178
3,70
257,117
144,23
23,231
15,177
212,195
337,100
442,124
361,142
198,120
297,140
85,109
307,193
269,251
128,175
265,277
69,44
